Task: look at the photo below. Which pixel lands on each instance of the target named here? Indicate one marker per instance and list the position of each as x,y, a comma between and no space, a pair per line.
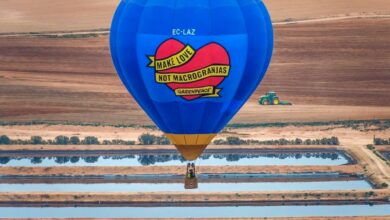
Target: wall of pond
258,159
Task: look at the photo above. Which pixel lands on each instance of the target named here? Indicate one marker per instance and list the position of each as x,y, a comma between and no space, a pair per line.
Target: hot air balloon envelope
191,64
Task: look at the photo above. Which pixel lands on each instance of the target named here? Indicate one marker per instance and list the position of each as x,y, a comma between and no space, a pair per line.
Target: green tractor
271,98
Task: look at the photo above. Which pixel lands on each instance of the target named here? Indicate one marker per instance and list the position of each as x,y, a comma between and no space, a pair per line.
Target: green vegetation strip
150,139
281,141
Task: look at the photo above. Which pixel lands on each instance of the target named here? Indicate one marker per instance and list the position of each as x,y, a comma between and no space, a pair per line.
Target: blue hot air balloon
191,64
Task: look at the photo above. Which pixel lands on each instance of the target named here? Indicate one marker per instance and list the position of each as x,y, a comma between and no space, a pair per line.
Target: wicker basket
191,183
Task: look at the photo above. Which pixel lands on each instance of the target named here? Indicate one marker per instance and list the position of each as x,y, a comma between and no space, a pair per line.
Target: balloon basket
191,183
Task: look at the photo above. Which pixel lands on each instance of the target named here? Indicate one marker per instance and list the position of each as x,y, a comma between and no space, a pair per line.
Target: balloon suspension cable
197,163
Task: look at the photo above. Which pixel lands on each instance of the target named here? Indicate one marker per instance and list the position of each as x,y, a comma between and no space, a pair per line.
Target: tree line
62,140
281,141
150,139
144,139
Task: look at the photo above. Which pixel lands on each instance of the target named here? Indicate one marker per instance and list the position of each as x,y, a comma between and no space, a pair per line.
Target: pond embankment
70,199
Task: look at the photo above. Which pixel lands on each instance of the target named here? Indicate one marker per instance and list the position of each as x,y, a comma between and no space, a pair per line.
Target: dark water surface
173,187
256,159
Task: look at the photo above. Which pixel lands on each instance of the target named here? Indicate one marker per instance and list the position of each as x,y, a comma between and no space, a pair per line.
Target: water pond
174,187
198,212
256,159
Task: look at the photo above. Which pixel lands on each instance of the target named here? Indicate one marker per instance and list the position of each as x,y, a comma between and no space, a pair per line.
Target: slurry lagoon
198,212
255,159
175,187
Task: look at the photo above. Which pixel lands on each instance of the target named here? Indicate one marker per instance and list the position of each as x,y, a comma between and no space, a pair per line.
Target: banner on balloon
190,73
206,91
175,60
213,70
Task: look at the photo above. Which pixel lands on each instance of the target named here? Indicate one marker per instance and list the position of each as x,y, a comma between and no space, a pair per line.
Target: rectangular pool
175,187
198,212
255,159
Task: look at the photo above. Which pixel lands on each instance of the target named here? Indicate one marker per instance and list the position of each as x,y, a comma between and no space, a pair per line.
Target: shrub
234,141
106,142
74,140
282,141
384,185
298,141
334,141
219,142
130,142
147,139
163,140
90,140
4,139
20,142
122,142
36,140
62,140
117,142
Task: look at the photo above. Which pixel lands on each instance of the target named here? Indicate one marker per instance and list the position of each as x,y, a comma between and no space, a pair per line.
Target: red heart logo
190,73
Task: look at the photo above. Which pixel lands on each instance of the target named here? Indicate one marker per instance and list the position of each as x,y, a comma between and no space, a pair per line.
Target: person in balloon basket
191,181
191,170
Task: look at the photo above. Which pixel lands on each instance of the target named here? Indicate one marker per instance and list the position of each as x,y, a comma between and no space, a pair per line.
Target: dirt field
345,135
48,15
93,171
325,72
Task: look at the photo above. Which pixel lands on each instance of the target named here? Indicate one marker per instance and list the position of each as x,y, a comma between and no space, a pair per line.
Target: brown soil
383,148
47,15
330,70
24,16
58,171
331,63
